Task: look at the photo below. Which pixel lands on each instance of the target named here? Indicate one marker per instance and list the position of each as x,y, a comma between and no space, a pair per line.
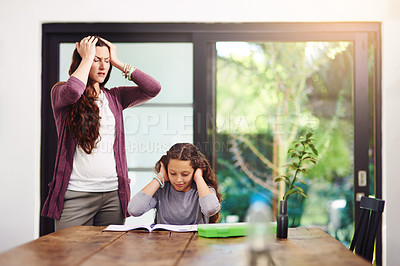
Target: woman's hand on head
113,53
163,171
87,47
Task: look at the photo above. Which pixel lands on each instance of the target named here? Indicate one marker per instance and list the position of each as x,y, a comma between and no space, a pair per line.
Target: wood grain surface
89,245
143,248
70,246
304,246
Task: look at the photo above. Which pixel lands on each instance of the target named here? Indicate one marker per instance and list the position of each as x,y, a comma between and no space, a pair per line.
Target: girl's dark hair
189,152
83,119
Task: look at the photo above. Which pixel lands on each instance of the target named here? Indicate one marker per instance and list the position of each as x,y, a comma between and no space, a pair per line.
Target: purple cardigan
65,94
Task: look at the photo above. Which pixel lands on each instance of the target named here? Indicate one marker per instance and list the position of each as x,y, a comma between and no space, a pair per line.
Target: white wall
20,68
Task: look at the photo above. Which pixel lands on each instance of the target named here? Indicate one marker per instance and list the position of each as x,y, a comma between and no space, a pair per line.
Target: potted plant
303,155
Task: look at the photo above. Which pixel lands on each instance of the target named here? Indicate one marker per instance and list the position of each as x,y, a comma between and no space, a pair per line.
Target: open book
152,227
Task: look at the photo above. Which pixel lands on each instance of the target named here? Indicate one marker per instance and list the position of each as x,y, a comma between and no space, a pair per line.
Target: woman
190,197
90,185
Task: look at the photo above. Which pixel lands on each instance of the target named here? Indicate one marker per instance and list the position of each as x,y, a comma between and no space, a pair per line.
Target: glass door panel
153,127
268,94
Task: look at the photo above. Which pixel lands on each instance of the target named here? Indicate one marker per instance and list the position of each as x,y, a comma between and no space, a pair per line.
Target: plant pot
282,220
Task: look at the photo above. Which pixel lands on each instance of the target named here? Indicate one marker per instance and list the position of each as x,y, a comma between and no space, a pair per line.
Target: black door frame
204,36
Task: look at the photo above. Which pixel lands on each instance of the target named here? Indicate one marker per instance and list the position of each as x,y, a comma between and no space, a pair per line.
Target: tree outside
268,94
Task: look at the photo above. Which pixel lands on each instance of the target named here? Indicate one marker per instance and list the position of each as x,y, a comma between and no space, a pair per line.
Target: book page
123,228
151,227
176,228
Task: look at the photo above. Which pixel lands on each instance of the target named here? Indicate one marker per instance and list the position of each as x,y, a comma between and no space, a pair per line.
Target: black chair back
367,226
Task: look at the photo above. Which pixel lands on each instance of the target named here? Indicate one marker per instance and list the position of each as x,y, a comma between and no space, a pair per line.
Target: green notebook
222,229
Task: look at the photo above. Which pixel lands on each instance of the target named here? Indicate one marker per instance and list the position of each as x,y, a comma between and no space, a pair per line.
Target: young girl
185,190
90,184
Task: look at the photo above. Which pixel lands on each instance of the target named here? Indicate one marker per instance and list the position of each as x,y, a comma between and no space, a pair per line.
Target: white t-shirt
96,172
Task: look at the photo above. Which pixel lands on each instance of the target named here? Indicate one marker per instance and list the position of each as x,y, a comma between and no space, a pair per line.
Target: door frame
204,36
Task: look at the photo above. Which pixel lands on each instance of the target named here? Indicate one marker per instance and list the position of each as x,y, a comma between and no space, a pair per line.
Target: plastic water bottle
260,231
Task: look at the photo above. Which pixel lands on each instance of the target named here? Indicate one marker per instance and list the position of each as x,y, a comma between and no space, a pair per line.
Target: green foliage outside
269,94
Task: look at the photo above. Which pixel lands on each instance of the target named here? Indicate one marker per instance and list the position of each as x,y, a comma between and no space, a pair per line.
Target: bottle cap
258,197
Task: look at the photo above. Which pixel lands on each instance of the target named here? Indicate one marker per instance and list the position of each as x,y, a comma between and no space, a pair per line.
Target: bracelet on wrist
130,73
127,71
159,181
123,72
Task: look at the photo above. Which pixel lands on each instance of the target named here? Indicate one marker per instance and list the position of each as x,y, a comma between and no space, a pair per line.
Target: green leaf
289,192
313,161
313,149
304,195
299,189
301,193
281,178
301,181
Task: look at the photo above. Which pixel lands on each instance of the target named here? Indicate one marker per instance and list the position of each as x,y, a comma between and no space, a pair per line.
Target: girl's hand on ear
87,47
198,174
163,171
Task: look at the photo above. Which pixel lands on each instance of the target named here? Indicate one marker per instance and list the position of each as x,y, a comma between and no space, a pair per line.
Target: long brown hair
189,152
83,119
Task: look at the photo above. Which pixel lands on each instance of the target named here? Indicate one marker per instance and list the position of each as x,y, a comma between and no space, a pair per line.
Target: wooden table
87,245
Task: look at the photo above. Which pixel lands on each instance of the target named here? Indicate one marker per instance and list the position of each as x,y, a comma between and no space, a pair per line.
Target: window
270,93
151,128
